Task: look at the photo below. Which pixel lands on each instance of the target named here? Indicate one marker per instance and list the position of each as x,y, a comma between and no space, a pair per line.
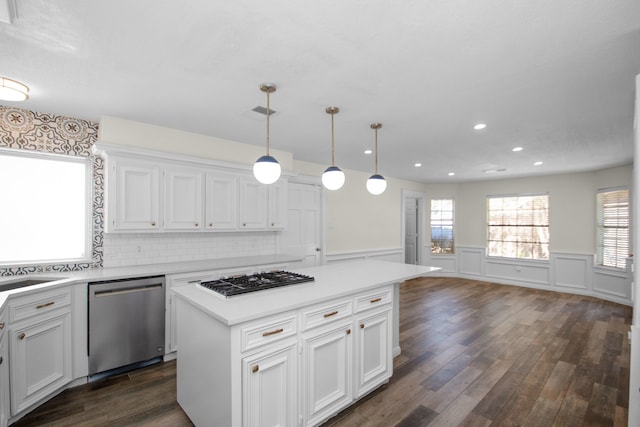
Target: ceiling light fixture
11,90
267,169
417,165
333,177
451,173
480,126
368,151
376,184
516,149
537,164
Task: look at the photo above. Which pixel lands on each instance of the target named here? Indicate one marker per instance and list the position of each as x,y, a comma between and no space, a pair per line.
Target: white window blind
442,226
518,226
613,228
44,208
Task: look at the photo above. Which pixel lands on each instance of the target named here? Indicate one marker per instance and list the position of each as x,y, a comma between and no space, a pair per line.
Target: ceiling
554,77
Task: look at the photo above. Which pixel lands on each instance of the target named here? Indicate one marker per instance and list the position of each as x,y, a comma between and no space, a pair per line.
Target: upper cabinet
134,196
143,195
183,198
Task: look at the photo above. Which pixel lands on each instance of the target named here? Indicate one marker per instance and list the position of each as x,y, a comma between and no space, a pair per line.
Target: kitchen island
289,356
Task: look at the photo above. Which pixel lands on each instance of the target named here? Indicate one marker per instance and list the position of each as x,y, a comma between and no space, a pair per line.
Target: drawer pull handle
21,336
1,326
376,300
361,325
348,331
153,223
255,369
333,313
46,304
196,224
210,224
275,331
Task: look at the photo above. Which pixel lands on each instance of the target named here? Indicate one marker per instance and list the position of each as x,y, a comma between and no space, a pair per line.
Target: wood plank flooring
473,354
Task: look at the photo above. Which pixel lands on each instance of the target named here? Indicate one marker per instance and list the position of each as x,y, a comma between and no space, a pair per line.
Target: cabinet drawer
268,331
321,315
38,304
374,299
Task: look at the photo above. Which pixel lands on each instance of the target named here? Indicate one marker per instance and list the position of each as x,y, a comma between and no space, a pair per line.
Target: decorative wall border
48,133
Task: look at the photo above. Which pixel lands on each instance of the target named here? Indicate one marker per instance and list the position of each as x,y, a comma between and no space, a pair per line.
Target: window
519,227
44,208
613,228
442,226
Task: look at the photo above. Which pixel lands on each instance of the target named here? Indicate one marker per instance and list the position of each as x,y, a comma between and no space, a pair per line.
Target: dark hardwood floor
473,354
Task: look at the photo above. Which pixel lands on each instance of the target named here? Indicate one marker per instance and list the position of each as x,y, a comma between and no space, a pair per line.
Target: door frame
420,214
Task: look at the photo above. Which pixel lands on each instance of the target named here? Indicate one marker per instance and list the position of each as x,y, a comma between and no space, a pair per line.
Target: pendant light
333,177
376,184
267,169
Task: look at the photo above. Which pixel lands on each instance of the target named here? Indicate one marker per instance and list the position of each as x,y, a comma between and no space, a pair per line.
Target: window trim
453,227
599,253
88,214
487,220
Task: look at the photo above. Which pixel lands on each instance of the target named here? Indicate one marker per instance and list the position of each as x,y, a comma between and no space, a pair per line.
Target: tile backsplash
122,250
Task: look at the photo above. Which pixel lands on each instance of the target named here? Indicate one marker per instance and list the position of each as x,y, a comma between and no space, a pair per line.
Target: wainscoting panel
610,283
518,271
446,262
471,260
572,271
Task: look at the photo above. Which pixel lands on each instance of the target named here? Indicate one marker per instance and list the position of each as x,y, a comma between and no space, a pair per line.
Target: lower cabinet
269,392
41,360
4,376
327,372
290,369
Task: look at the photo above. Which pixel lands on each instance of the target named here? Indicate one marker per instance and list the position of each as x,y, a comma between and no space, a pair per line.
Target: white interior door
411,231
304,229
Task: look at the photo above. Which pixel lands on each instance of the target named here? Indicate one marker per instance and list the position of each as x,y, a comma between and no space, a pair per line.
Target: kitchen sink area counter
291,355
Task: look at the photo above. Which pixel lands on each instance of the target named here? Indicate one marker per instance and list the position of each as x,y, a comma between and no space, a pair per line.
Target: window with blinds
613,227
442,226
518,226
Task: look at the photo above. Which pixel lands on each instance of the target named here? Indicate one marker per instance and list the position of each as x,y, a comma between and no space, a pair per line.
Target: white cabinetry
221,201
40,346
134,187
4,373
277,205
296,368
253,204
183,198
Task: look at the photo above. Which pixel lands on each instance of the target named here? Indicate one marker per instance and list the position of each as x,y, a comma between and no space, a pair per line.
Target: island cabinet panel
269,391
327,371
374,362
4,373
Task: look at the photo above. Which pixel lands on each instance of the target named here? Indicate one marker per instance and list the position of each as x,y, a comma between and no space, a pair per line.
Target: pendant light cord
268,114
376,151
333,163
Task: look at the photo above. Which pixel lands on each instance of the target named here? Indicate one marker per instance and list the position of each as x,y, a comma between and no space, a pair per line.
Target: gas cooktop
237,285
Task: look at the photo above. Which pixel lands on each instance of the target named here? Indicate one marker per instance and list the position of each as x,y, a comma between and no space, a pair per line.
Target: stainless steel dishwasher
126,322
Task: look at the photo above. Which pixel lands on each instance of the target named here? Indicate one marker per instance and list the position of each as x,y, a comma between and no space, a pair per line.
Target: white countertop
101,274
331,281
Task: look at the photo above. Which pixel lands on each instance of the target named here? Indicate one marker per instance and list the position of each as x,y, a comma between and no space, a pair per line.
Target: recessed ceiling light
451,173
480,126
417,165
368,151
494,170
537,163
517,149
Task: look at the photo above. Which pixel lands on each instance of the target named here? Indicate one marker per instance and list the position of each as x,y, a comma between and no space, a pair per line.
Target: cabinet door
41,360
136,196
374,363
221,201
327,373
183,199
253,204
278,205
269,393
4,380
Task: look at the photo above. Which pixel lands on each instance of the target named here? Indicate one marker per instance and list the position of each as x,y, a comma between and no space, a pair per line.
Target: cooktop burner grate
238,285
